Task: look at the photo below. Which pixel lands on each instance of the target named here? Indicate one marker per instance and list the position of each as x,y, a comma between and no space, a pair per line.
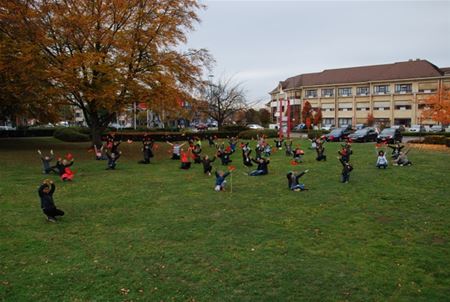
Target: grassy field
158,233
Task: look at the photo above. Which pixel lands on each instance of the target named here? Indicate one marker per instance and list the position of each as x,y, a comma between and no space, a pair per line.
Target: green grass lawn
158,233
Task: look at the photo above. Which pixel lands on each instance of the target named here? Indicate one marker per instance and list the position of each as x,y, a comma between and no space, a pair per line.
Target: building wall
391,107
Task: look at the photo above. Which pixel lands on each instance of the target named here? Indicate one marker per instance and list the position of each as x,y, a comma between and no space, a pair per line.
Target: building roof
445,70
385,72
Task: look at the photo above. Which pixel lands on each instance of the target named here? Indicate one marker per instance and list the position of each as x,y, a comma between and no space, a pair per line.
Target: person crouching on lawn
381,160
293,181
45,192
220,181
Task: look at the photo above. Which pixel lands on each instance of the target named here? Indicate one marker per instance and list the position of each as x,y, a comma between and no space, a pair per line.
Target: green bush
250,134
70,135
234,128
317,133
446,134
435,140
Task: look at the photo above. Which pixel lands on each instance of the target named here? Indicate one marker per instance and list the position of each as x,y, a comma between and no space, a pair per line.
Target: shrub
447,141
446,134
250,134
70,135
317,133
435,140
234,128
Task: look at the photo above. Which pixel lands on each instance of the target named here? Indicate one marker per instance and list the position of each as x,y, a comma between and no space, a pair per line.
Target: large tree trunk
96,134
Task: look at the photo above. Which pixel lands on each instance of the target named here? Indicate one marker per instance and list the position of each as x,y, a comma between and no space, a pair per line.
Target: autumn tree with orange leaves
102,56
437,106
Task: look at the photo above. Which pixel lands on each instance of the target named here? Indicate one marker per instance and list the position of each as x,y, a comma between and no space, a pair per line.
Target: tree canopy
104,55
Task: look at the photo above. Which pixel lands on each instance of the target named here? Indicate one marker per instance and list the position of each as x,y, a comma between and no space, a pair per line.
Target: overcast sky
261,43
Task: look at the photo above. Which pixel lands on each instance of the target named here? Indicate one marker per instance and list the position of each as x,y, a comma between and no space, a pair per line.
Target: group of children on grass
263,150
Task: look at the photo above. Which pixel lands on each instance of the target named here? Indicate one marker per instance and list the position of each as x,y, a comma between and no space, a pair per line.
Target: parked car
338,134
6,127
437,128
327,127
299,127
255,127
390,135
399,127
201,126
359,126
364,135
417,128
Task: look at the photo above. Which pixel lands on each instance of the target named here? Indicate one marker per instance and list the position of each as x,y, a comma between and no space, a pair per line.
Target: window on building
328,121
427,87
423,106
403,88
362,91
380,106
345,107
347,91
328,92
381,89
311,93
344,122
403,107
362,106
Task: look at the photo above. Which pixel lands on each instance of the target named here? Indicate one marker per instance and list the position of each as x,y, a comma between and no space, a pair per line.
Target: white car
437,128
327,127
255,127
417,128
7,127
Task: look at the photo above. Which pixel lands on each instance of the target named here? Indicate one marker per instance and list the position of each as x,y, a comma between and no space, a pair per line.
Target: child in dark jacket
288,146
147,146
346,169
220,180
225,155
279,143
206,161
46,160
112,159
396,149
63,168
45,192
293,181
262,168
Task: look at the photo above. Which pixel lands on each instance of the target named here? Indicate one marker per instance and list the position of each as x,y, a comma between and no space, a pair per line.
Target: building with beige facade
392,93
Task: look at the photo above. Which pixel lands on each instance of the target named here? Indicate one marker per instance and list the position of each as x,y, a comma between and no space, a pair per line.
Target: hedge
435,140
253,134
446,134
317,133
70,135
36,132
170,136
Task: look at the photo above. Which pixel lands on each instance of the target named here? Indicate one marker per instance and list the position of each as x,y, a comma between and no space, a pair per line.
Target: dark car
390,135
338,134
201,126
364,135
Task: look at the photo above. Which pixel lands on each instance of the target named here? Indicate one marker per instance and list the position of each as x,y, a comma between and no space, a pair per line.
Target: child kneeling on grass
293,183
220,180
381,160
46,191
